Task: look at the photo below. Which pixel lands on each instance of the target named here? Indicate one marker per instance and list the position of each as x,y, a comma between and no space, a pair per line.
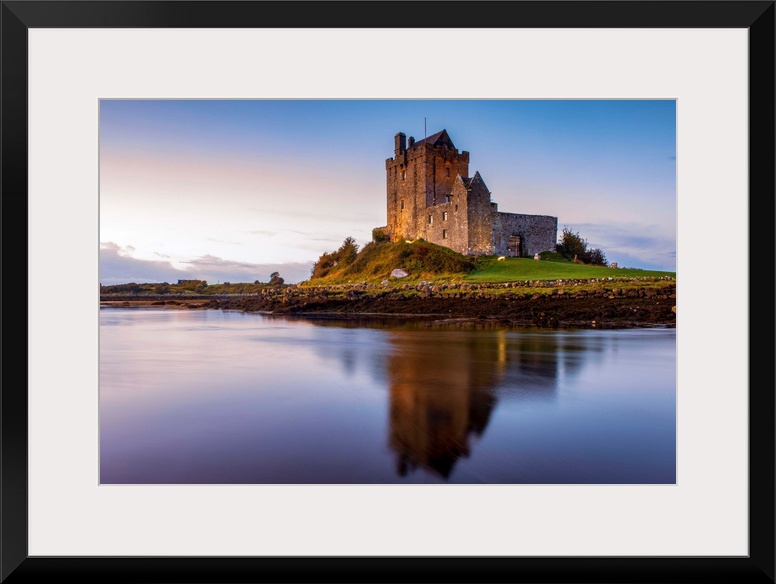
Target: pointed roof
477,178
437,139
469,181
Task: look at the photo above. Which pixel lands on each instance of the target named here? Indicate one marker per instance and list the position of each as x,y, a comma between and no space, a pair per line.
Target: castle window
447,198
444,234
456,208
402,204
430,219
403,174
447,171
444,216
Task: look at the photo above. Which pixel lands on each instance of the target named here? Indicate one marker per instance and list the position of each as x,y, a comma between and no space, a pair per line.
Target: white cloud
117,266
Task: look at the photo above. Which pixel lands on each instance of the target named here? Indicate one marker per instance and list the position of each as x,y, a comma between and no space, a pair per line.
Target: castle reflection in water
442,393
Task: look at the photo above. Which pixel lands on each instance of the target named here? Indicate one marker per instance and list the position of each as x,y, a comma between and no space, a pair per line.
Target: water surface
209,396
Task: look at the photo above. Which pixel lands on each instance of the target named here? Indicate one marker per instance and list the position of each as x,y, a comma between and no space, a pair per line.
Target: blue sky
234,190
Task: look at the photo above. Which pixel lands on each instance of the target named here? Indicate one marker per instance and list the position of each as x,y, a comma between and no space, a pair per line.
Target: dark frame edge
312,13
16,566
14,425
761,224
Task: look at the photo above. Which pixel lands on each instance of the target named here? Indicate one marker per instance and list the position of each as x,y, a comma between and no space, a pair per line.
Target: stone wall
443,225
537,233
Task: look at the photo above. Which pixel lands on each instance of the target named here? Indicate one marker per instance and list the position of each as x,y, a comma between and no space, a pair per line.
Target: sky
233,190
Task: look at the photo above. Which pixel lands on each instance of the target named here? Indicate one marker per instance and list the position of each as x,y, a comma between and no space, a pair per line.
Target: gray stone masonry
431,196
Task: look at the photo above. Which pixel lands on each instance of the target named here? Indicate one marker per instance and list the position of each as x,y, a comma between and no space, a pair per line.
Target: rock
399,273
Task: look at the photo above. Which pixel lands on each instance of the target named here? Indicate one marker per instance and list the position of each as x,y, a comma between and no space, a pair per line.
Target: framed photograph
230,219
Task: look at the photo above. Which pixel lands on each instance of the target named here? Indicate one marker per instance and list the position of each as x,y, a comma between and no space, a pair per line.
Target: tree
325,263
275,279
573,247
345,255
347,252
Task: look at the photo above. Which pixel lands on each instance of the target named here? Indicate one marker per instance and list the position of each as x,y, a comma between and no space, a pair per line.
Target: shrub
324,264
345,255
347,252
594,257
551,256
571,245
574,248
379,235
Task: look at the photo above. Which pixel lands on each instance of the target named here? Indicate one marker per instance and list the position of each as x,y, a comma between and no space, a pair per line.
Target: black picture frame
19,16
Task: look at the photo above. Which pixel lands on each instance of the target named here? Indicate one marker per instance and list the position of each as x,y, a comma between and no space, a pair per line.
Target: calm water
229,397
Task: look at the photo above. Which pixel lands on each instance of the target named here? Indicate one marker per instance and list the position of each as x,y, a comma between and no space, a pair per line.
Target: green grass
430,262
422,260
489,269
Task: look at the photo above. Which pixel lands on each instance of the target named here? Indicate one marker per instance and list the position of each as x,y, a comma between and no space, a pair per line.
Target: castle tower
430,195
420,176
475,217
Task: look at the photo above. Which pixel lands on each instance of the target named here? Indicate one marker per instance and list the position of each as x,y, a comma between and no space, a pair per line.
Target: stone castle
431,196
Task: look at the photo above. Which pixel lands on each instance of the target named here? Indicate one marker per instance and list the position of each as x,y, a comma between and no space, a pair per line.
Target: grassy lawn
516,269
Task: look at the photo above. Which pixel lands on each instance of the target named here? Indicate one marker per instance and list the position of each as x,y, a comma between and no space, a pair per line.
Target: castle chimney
400,143
412,141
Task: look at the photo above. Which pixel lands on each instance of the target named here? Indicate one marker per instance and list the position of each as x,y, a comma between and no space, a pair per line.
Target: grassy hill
374,263
430,262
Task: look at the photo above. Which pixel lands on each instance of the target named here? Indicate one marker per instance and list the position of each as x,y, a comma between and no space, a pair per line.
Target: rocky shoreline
603,304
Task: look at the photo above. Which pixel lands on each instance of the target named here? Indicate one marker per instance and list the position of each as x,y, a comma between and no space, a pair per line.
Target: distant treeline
189,287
